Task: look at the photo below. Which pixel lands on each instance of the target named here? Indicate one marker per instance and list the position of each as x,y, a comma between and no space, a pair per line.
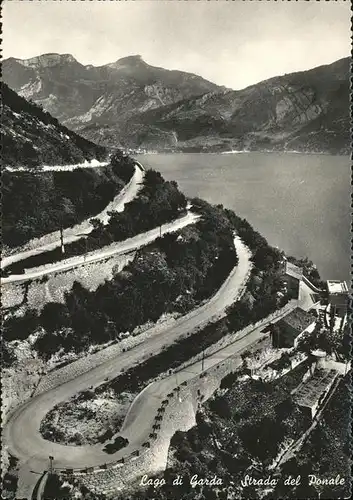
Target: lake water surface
300,203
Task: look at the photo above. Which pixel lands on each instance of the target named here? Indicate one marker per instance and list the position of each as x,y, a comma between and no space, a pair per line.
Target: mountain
306,111
135,105
99,98
32,137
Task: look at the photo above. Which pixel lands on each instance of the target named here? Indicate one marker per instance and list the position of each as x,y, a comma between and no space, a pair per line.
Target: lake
299,202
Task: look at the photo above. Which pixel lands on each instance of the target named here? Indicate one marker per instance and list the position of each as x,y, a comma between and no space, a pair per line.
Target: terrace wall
52,287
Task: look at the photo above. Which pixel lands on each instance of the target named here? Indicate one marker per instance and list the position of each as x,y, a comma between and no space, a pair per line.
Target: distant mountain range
32,137
134,105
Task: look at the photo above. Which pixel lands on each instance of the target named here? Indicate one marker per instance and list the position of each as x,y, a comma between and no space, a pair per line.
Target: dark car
119,443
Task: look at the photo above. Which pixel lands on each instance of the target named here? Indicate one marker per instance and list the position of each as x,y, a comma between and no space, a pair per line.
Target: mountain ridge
131,104
78,95
303,111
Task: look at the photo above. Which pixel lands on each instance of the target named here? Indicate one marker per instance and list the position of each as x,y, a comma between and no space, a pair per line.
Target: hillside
87,96
36,202
47,201
140,106
32,137
306,111
242,429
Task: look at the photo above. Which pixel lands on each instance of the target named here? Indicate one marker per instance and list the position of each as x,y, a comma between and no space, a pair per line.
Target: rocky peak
128,62
47,60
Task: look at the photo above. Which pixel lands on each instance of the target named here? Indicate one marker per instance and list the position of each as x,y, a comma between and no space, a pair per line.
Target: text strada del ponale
292,481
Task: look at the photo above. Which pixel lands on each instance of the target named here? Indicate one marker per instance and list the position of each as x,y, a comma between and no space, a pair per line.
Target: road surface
21,432
60,168
52,240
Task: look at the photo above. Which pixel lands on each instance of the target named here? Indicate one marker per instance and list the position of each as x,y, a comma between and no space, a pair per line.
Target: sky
232,43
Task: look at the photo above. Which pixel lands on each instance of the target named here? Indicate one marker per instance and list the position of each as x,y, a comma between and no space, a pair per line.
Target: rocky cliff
99,100
306,111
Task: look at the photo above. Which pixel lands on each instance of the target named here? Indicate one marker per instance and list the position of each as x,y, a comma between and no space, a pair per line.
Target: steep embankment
32,137
43,402
37,200
50,241
36,203
87,325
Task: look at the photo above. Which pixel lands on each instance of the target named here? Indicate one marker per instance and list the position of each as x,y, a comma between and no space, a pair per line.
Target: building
293,277
286,331
338,295
312,393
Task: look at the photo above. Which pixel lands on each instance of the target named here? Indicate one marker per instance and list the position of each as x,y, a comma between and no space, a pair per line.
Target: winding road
21,432
51,241
60,168
122,247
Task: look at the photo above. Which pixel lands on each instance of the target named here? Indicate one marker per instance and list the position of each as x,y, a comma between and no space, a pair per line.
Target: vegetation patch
32,137
174,274
241,314
157,202
87,418
56,488
37,203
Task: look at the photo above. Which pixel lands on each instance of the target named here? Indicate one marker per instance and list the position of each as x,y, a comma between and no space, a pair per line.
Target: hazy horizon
235,44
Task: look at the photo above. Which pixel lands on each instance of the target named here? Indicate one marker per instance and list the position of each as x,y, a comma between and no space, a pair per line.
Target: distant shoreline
311,153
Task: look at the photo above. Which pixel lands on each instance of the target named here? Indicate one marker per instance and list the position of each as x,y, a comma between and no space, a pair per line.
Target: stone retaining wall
52,288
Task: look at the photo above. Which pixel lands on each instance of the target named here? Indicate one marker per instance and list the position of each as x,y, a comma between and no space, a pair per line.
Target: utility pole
62,240
203,360
160,231
86,247
51,458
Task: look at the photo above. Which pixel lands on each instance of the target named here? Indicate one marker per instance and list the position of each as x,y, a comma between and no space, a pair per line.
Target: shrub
20,327
229,380
221,407
54,316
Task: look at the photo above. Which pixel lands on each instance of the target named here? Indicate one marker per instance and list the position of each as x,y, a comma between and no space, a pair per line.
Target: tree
97,224
262,439
20,327
153,179
54,488
54,316
47,344
221,407
229,380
